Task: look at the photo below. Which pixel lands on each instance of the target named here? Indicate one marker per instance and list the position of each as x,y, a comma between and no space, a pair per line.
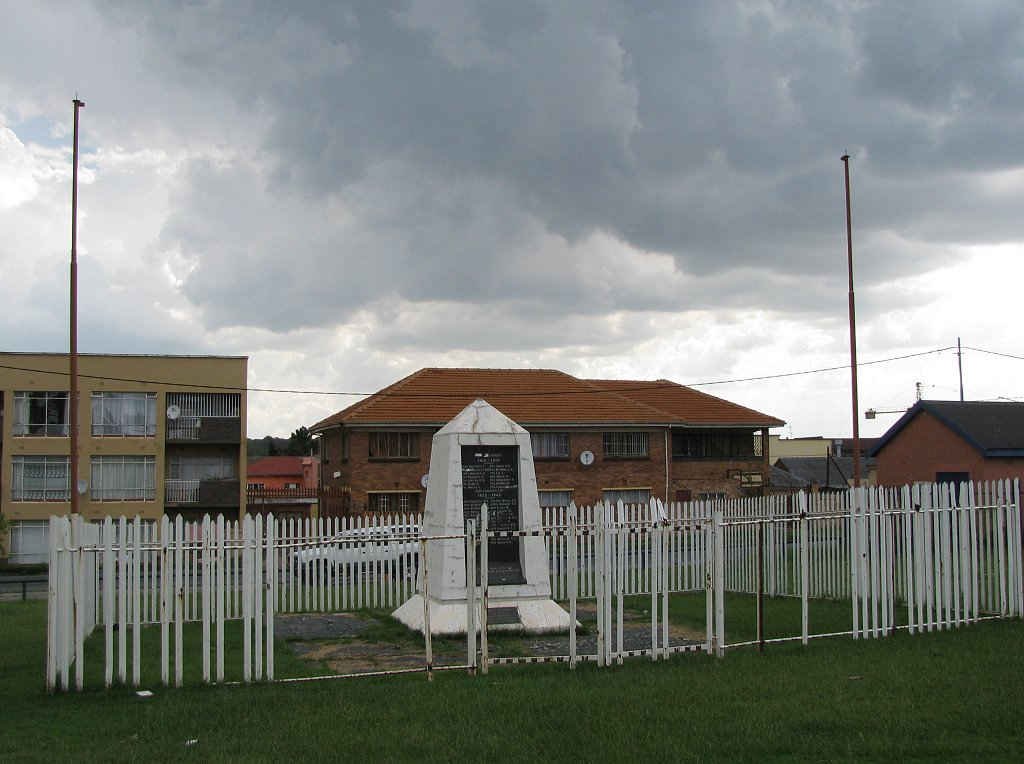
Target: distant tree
300,442
271,446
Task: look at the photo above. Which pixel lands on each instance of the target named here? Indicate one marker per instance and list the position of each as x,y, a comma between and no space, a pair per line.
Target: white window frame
550,445
109,478
35,534
628,444
23,426
564,497
18,490
215,467
628,496
112,404
391,502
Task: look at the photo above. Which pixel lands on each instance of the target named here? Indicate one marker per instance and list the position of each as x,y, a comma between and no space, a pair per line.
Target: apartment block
157,435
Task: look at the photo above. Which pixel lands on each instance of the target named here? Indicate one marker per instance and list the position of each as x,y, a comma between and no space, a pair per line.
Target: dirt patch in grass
350,643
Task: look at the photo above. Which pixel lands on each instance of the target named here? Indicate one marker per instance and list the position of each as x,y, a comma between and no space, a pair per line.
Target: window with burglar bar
393,502
550,445
715,444
394,445
124,414
40,478
123,478
41,414
625,444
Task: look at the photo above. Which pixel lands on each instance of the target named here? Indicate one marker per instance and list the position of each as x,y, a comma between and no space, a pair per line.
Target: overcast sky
348,192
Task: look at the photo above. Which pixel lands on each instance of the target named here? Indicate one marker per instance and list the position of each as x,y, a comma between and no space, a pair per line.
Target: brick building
592,439
953,441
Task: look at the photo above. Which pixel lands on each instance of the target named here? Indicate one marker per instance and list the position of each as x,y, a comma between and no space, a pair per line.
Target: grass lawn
950,695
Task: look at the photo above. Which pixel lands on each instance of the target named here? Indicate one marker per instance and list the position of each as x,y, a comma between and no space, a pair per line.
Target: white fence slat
165,600
221,587
206,571
179,596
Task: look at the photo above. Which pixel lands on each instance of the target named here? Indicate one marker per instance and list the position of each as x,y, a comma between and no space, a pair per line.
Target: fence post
619,550
179,596
109,576
165,601
246,600
573,583
270,593
665,564
599,553
760,585
52,612
219,597
206,569
719,583
471,604
653,564
428,646
484,586
136,609
805,568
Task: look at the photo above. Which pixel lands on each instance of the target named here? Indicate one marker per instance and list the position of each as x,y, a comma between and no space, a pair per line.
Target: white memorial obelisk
482,456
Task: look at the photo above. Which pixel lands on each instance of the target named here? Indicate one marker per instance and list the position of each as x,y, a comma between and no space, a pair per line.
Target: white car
399,543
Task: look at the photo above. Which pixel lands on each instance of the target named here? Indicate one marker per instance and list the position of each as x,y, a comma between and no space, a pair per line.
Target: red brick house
592,439
280,472
953,441
284,485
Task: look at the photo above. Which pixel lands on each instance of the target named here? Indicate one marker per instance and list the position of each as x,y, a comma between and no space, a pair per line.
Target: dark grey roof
780,478
825,472
995,428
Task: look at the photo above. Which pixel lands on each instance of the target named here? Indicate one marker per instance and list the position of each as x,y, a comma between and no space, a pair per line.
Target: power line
817,371
538,393
993,352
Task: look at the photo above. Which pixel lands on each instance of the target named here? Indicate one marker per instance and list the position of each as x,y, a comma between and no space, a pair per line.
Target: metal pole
853,326
960,368
73,354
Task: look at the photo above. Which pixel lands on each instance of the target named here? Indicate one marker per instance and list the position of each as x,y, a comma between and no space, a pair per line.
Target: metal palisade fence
916,558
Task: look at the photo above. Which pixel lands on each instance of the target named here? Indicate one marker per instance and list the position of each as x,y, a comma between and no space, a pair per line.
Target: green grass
943,696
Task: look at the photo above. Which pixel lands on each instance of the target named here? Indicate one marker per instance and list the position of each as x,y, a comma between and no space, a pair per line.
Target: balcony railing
204,429
182,491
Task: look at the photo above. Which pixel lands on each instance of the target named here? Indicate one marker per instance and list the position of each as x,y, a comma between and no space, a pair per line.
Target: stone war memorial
483,457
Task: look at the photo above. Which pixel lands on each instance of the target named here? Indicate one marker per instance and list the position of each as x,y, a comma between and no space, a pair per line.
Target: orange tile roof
275,465
540,396
685,404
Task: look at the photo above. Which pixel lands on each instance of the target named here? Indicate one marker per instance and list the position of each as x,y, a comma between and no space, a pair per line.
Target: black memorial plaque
490,474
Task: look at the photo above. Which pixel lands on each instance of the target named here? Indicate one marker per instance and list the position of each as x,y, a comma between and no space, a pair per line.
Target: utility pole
960,367
73,391
853,326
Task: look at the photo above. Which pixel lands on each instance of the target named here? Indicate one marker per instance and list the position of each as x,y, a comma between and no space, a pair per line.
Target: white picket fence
922,557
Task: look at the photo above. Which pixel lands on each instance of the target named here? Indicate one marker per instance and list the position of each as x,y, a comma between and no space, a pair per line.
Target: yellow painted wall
109,373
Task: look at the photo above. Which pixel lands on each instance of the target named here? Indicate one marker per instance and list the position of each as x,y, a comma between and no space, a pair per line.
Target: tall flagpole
853,327
73,392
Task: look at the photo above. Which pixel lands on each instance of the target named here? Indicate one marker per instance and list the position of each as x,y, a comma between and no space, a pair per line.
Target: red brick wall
926,446
361,474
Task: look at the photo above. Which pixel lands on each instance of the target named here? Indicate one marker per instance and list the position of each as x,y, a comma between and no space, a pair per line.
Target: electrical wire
532,394
993,352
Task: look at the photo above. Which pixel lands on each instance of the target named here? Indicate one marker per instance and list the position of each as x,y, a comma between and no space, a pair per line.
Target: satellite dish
173,411
424,479
587,458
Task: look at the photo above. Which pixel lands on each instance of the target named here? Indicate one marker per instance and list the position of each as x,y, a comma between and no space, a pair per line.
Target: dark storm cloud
459,152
